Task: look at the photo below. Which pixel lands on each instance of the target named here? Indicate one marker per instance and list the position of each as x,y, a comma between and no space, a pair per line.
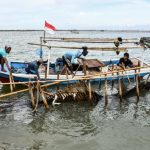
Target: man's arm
120,62
130,63
72,59
6,62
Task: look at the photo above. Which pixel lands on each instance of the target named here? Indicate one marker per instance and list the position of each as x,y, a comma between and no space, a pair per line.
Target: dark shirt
33,68
126,63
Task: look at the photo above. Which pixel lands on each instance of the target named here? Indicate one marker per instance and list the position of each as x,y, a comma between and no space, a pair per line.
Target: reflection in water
78,122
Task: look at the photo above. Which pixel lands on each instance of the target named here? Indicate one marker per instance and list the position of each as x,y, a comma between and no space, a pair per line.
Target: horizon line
78,30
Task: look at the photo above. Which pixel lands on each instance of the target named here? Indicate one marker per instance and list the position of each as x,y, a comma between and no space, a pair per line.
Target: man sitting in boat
125,61
33,67
3,60
70,57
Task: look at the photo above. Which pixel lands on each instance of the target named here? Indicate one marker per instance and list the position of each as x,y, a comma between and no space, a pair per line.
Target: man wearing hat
71,56
3,60
33,67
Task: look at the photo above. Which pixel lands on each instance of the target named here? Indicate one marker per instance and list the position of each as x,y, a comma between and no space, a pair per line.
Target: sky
75,14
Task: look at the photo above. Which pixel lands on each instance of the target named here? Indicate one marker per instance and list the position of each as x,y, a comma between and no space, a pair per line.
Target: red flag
49,27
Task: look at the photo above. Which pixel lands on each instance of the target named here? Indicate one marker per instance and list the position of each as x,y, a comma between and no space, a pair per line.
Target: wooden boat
96,70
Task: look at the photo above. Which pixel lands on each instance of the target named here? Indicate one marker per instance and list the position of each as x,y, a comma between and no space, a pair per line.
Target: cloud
77,14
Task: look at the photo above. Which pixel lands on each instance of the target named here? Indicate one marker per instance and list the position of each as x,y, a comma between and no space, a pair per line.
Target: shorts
29,71
67,63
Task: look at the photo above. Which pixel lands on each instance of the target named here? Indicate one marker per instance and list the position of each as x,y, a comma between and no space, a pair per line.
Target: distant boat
75,31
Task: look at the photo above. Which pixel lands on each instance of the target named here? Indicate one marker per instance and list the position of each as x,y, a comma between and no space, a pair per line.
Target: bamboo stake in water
99,85
126,73
137,86
112,81
90,92
32,95
139,78
12,79
37,96
84,67
119,87
11,86
44,100
106,91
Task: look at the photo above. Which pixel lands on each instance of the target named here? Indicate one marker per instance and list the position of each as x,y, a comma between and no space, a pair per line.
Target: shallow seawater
72,125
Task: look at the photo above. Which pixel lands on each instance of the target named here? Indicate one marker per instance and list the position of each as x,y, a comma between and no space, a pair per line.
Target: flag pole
44,35
41,46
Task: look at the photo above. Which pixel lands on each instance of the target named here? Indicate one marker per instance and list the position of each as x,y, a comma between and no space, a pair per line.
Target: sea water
73,125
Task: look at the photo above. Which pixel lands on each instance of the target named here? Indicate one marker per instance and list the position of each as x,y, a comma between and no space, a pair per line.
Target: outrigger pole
89,48
91,39
86,41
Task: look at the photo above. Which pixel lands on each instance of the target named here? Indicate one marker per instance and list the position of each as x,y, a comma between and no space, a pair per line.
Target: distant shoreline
74,30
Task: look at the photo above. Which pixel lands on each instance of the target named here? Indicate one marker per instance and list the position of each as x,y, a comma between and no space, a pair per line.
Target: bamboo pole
99,84
17,83
84,67
93,39
123,49
137,86
139,78
13,93
119,88
44,100
85,41
12,79
127,69
90,91
112,82
106,91
32,95
126,73
47,93
25,90
37,96
11,84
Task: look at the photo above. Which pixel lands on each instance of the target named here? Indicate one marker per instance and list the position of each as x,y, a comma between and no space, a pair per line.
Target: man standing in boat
3,60
125,61
70,57
33,67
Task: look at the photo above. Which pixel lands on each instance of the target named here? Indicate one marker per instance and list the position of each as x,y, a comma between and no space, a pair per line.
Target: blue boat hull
20,67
